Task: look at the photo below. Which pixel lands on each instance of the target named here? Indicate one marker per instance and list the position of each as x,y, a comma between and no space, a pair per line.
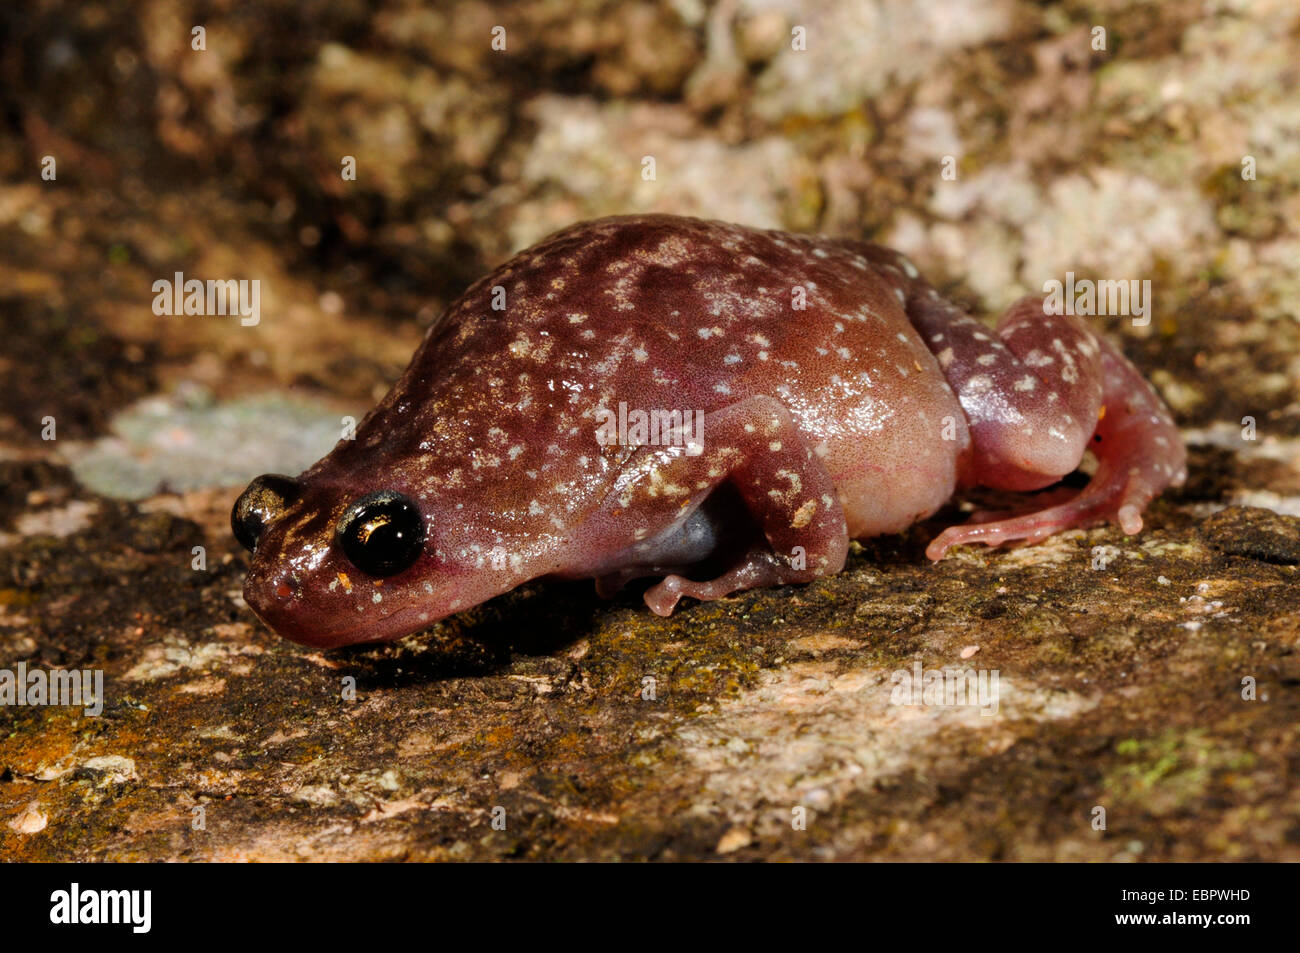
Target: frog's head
332,566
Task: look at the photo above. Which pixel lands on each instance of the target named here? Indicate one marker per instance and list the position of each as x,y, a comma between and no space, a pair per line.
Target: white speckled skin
853,416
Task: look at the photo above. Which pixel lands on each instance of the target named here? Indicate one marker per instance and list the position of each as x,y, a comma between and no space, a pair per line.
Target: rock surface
1141,696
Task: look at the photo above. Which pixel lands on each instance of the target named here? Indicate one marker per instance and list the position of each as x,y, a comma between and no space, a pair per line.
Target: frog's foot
1110,496
1139,453
759,568
1037,504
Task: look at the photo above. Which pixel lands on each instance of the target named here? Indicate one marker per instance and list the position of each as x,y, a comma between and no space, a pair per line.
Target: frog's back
662,313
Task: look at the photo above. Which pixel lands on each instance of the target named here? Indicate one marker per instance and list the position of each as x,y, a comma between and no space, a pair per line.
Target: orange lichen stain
1101,413
570,744
16,597
500,737
347,583
58,745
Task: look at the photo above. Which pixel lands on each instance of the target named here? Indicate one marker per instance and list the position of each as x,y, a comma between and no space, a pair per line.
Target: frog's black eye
260,505
381,534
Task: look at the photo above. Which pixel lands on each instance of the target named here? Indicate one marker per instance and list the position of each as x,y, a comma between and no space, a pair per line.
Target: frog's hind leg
1030,391
783,485
1135,441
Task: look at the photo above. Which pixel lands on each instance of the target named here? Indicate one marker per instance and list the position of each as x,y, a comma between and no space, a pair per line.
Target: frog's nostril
273,594
260,505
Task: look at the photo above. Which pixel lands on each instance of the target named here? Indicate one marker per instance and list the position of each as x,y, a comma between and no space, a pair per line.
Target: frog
707,406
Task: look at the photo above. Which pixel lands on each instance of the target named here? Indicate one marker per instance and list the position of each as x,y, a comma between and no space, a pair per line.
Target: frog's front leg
1036,396
785,488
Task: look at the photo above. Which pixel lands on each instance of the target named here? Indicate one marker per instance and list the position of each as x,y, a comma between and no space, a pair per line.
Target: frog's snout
260,505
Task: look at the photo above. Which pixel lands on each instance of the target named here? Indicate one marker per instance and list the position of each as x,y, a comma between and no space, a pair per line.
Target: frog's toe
759,568
1032,528
1112,495
663,597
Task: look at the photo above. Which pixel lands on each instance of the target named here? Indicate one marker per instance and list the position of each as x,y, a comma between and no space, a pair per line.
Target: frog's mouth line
405,621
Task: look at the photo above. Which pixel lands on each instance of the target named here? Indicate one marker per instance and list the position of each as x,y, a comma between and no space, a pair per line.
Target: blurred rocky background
1121,660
